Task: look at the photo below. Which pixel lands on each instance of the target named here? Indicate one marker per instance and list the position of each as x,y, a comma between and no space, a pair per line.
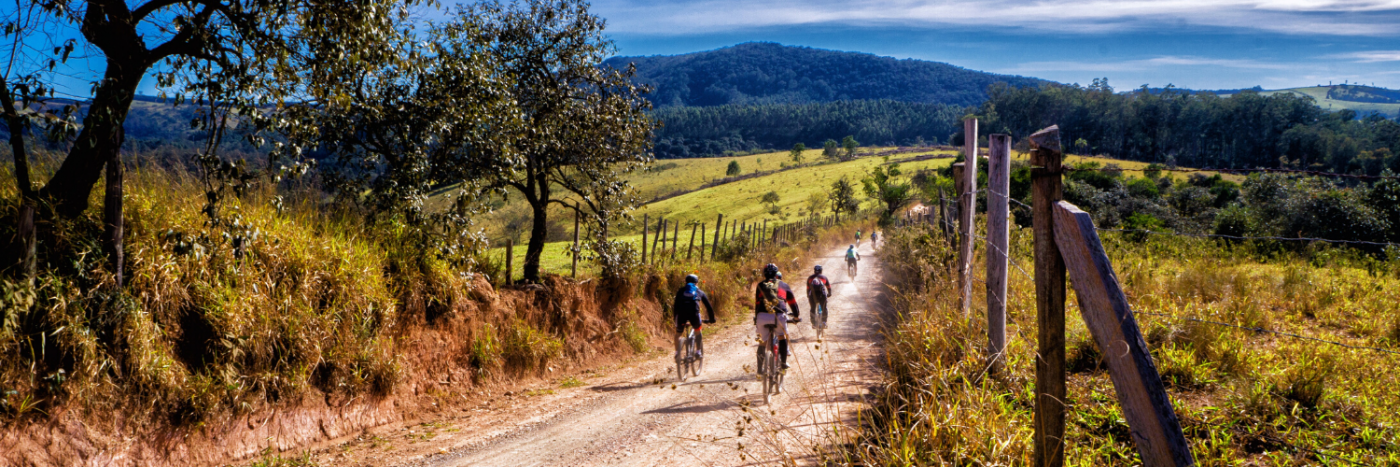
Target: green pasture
1319,93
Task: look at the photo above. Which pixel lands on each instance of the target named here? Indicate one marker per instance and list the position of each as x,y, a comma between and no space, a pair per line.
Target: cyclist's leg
763,335
782,339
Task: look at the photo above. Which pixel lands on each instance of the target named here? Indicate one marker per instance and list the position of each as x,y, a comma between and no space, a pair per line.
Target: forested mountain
768,73
1245,130
698,131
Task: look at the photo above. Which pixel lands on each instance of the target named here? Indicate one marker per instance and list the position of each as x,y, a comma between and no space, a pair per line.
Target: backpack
817,287
850,254
770,299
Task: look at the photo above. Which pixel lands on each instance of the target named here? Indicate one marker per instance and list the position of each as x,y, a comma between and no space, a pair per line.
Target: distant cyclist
818,289
852,257
773,301
857,236
874,238
687,308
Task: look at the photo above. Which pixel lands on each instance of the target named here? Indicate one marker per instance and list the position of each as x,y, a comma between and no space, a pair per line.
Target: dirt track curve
639,415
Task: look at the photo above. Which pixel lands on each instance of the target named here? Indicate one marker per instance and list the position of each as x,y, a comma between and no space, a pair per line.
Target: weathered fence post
998,237
1146,407
660,233
1049,300
969,214
510,260
573,270
765,230
689,249
646,224
702,242
28,245
675,240
719,227
964,264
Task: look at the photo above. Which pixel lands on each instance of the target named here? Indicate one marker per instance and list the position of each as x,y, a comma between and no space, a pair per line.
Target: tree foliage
880,184
843,197
796,153
711,131
732,169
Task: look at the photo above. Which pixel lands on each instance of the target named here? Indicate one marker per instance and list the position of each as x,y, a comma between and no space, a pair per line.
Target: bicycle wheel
766,376
681,358
695,359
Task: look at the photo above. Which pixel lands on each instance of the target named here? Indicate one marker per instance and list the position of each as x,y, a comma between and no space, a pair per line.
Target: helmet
692,279
770,271
853,246
817,269
779,276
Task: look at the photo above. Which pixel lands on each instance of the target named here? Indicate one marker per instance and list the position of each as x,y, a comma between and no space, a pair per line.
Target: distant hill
1362,99
769,73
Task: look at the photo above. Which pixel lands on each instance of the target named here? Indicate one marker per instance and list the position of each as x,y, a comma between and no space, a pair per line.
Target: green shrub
524,347
486,350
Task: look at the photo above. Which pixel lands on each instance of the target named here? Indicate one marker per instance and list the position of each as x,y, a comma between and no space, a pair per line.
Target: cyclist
818,289
852,256
687,308
773,301
874,237
857,236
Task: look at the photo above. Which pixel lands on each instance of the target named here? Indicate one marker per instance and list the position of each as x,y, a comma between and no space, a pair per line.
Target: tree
880,184
584,125
733,169
415,128
831,149
771,199
816,203
234,56
849,144
843,197
797,152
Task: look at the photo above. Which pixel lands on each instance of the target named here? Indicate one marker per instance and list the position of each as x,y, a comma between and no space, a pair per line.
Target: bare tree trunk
112,217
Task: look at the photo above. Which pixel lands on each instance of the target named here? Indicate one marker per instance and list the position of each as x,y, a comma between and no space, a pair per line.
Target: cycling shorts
770,318
693,319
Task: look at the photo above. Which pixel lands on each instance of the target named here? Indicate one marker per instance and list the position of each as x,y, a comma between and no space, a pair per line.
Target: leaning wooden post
959,186
998,237
573,270
1142,395
719,228
765,229
675,240
690,249
969,211
702,242
1046,190
660,232
510,260
646,224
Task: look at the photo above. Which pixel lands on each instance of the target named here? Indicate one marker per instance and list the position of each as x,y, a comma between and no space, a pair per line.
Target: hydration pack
850,254
817,287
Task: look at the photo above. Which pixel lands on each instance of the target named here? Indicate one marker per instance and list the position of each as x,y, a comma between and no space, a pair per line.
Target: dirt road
639,415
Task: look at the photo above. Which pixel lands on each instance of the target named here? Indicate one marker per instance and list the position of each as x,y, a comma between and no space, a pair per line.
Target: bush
524,347
615,259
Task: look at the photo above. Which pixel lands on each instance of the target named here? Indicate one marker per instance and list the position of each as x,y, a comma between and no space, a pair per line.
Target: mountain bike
819,318
689,359
770,371
851,268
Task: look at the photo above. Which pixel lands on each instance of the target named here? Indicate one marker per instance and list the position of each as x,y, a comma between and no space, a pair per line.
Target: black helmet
817,269
692,279
770,271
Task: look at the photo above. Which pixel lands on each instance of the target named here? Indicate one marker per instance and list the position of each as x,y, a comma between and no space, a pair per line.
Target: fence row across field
1067,243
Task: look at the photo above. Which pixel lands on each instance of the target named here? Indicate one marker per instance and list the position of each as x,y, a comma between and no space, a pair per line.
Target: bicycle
819,318
851,268
768,367
689,359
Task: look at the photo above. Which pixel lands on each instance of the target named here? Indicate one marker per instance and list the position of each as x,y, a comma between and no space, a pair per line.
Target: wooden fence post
969,211
28,245
660,233
510,260
646,224
1146,407
675,240
689,249
719,227
702,242
964,264
998,237
1046,189
573,270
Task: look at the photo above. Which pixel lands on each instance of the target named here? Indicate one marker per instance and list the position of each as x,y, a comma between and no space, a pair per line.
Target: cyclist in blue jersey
687,310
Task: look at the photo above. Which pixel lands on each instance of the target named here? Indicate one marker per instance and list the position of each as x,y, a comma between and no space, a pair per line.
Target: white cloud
1143,65
1374,56
1328,17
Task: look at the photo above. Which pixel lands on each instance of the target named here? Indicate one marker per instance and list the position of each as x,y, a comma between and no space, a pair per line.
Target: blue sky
1218,44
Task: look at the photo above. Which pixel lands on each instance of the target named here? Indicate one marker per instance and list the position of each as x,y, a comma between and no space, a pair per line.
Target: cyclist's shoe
785,365
794,320
709,321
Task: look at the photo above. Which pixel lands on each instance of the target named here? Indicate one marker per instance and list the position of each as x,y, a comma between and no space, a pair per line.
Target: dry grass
1244,397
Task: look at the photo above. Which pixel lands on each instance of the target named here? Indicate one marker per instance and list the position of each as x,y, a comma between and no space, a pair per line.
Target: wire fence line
1317,173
